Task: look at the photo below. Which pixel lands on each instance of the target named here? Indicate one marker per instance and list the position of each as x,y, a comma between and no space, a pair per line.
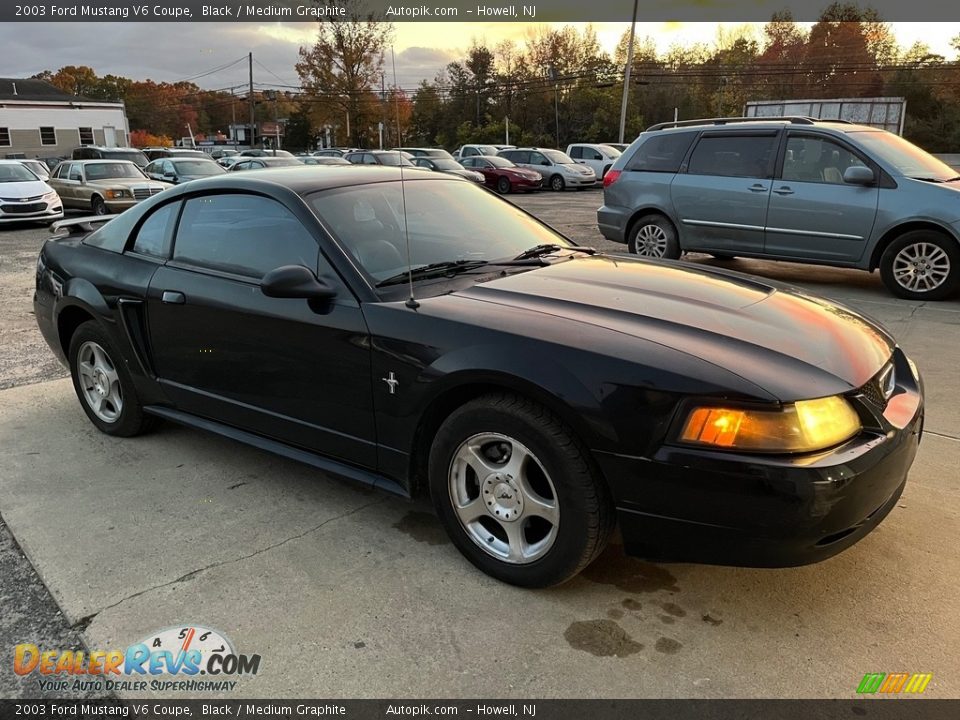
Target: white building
40,120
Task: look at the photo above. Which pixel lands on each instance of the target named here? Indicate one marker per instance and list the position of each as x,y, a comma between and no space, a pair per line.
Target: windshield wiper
932,180
547,248
438,268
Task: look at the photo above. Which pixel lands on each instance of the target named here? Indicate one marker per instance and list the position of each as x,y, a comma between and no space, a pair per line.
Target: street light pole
626,73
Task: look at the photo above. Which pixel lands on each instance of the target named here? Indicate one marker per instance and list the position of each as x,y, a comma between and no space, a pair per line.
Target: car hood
25,189
791,344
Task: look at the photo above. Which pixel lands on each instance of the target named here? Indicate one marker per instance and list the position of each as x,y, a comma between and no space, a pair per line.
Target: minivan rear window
662,153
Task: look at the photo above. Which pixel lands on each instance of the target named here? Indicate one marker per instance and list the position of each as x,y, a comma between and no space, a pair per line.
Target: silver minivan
797,189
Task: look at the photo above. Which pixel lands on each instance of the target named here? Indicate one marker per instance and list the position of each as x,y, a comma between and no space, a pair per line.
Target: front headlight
51,196
803,426
117,194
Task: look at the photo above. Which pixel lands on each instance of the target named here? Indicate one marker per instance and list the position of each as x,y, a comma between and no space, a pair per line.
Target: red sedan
502,175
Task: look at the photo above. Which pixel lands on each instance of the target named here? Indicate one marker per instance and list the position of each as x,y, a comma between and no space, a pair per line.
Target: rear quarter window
662,153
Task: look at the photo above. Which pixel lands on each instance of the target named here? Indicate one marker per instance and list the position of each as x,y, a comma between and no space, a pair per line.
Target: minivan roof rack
794,119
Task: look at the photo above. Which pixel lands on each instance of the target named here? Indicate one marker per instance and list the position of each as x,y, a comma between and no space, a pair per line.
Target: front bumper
580,180
692,505
38,210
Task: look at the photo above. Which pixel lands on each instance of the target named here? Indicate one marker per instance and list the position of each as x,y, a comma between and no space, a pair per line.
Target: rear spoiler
87,224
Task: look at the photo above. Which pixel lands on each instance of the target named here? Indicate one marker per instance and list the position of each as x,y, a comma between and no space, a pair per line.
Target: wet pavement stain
631,604
710,620
667,619
667,646
603,638
673,609
629,574
614,613
422,527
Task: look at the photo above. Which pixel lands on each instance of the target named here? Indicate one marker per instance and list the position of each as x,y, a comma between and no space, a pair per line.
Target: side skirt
349,472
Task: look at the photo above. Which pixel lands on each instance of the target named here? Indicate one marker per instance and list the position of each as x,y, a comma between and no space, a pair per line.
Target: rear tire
516,492
921,265
654,236
503,185
103,384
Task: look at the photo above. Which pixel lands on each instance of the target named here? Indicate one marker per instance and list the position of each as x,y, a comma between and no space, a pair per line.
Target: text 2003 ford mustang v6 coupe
541,392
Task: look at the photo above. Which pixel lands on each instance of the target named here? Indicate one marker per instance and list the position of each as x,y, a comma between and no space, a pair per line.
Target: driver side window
247,235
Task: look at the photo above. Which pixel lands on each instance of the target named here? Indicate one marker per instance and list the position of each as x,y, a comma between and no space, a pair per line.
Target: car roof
93,161
764,123
104,147
303,179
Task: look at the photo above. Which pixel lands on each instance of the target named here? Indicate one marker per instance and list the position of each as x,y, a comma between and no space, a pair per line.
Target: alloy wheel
921,267
650,241
99,382
504,498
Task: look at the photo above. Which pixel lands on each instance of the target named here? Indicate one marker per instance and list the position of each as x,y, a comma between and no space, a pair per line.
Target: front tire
654,236
98,206
921,265
503,185
557,184
517,493
103,384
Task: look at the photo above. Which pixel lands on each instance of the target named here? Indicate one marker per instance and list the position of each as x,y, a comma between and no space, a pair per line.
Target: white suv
557,169
597,156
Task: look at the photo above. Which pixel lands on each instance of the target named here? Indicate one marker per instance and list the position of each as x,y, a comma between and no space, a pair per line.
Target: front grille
144,193
873,391
23,208
17,200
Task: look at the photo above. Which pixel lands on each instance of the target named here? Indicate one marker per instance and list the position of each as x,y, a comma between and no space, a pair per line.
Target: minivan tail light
611,177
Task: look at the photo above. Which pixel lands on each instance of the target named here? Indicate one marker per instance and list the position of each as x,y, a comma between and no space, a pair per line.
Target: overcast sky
170,51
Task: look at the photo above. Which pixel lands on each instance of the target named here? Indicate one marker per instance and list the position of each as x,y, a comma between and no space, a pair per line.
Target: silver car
829,193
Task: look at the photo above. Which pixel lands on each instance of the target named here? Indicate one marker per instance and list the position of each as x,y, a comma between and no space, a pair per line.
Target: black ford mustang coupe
422,334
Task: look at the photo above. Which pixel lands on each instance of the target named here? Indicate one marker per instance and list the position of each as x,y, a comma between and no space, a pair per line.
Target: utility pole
250,97
626,73
556,100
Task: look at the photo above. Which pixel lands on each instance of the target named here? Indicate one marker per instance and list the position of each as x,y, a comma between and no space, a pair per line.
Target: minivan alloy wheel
504,498
921,267
651,241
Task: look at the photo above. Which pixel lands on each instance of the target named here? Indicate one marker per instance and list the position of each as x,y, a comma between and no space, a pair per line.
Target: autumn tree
341,73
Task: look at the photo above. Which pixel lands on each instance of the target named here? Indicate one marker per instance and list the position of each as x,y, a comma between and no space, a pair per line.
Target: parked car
180,169
597,156
465,151
392,158
449,166
171,152
38,168
792,189
426,152
258,163
541,392
222,152
258,152
228,161
97,152
103,186
502,175
557,169
314,160
25,197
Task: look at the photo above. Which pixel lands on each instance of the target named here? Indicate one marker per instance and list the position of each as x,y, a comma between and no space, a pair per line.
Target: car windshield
108,170
190,153
487,149
137,157
560,158
393,159
610,151
198,167
445,164
474,225
15,172
904,156
500,162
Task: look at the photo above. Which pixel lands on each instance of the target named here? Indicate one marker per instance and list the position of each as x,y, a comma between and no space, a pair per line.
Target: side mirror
169,176
295,281
859,175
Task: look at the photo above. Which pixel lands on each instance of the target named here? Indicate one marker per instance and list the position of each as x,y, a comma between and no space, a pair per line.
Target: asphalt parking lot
351,593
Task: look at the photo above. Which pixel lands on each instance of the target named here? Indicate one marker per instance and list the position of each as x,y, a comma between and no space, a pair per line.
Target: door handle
172,297
758,188
783,190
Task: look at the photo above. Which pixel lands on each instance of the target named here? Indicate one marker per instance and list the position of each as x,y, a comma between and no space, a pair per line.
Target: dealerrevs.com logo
171,659
894,683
